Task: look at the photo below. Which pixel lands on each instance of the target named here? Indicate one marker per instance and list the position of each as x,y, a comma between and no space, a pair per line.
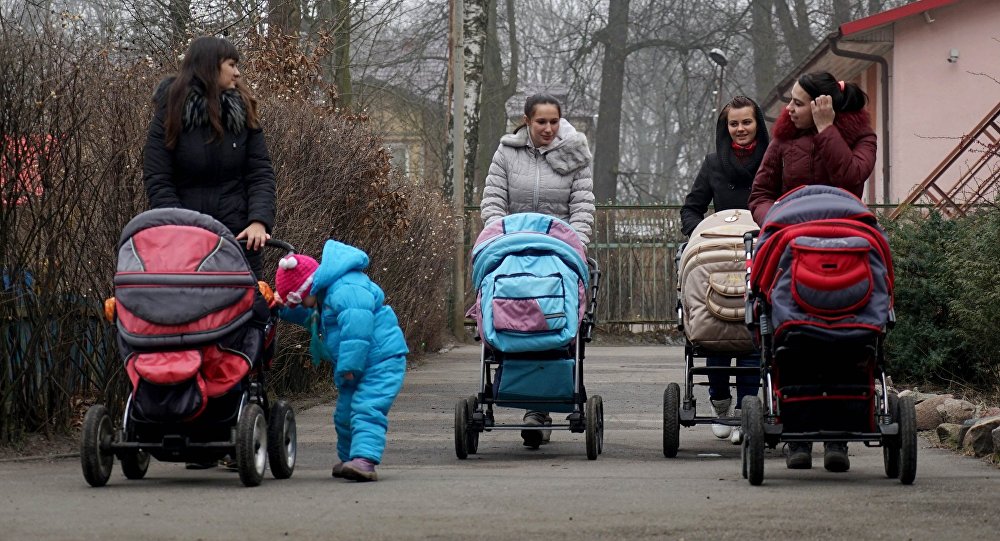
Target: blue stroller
532,317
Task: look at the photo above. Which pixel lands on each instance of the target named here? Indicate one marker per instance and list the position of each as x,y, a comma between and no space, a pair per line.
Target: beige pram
711,284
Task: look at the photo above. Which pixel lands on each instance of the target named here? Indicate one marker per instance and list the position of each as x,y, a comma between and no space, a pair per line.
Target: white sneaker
736,437
721,408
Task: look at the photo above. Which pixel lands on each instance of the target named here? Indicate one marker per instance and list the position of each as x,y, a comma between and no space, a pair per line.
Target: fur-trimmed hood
851,125
195,113
568,152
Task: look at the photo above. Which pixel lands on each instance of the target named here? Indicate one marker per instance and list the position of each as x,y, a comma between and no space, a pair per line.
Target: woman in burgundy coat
823,136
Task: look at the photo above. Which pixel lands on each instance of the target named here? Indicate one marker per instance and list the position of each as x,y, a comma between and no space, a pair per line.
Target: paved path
509,492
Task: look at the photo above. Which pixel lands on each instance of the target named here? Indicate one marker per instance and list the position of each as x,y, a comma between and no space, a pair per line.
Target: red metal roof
893,15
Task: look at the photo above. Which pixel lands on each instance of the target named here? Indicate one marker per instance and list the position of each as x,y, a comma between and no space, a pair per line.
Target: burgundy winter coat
842,156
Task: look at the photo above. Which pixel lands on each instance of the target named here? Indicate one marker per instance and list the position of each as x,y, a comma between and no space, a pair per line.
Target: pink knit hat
294,278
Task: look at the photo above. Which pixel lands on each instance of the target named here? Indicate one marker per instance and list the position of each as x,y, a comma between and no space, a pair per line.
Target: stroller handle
272,243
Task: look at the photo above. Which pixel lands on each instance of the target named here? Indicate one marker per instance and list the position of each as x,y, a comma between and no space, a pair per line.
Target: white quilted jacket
555,180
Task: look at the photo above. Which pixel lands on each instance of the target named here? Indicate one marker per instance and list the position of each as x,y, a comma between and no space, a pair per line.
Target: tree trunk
607,137
285,17
474,22
874,6
180,18
496,92
342,51
765,48
841,12
798,39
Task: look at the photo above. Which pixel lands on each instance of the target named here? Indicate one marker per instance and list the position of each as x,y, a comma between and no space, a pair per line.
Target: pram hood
182,279
811,203
528,232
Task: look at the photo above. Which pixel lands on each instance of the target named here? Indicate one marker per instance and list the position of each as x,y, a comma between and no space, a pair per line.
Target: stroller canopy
182,279
531,277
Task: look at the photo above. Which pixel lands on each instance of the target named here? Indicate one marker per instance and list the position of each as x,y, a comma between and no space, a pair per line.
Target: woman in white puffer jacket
544,167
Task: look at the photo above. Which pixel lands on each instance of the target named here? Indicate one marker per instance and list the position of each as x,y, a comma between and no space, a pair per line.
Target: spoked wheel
471,435
135,463
462,429
595,427
671,420
752,449
251,445
890,444
96,457
281,440
908,440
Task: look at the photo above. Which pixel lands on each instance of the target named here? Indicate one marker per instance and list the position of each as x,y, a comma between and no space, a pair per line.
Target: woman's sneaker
736,437
359,469
338,470
535,438
721,408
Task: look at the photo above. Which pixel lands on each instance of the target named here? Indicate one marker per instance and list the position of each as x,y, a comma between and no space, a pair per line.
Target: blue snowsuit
361,336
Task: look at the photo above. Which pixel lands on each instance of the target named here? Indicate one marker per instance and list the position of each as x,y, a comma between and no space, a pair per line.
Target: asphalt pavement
507,491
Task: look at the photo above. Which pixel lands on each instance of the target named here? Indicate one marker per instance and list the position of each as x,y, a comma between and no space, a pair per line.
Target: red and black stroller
820,301
196,336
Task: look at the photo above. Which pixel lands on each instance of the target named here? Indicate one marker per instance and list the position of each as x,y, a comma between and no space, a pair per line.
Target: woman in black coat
724,180
205,150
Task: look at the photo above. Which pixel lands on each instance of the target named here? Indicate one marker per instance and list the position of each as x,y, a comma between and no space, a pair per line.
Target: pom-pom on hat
294,278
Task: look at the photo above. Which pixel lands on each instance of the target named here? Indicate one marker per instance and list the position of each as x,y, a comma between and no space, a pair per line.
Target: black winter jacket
723,180
229,179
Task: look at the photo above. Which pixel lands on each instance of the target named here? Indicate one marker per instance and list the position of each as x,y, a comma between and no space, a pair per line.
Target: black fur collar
195,115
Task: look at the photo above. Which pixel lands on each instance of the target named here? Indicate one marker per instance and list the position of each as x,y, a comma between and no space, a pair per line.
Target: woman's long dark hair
201,67
819,83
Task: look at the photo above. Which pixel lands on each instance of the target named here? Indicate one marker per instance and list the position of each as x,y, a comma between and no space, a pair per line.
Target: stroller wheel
595,427
281,440
461,429
135,464
471,434
251,445
95,456
752,449
890,444
908,440
671,420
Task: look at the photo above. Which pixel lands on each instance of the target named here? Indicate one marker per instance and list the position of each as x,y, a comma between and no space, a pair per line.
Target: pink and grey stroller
196,338
533,316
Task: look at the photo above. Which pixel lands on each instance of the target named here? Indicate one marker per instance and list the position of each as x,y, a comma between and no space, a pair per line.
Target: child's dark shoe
359,469
338,470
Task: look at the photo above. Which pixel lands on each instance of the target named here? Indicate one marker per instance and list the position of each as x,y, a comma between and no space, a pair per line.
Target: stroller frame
894,417
475,415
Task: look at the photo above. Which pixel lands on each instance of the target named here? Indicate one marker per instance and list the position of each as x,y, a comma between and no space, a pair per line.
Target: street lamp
719,58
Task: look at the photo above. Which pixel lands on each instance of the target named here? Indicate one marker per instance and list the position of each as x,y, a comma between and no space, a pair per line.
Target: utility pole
458,159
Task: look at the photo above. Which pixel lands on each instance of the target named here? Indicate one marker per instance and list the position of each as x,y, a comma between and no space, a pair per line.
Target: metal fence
634,246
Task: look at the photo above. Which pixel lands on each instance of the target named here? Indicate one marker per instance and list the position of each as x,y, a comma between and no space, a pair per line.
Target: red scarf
743,152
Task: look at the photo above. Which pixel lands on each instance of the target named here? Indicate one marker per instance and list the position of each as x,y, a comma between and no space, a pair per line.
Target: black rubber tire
97,433
462,429
908,440
595,426
251,445
752,424
282,444
890,444
671,420
472,435
135,464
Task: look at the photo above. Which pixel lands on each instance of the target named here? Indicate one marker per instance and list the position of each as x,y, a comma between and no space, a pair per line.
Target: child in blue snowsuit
353,329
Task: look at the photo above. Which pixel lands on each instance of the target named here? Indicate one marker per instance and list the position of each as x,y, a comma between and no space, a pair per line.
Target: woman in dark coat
205,150
823,136
724,181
